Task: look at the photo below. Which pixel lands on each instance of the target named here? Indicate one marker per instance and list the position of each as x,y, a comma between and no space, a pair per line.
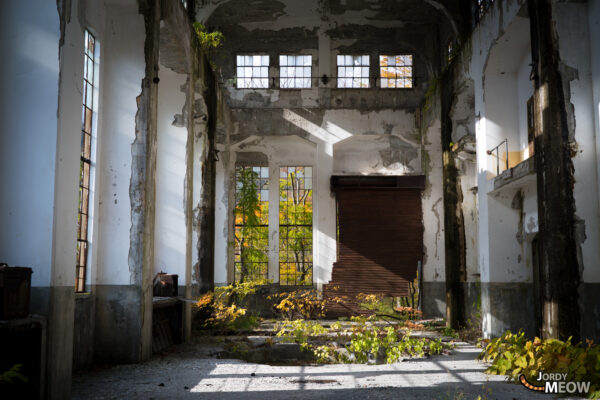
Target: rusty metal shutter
380,241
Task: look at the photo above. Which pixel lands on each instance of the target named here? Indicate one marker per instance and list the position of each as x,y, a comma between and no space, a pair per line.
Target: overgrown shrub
363,342
218,310
302,303
385,307
513,354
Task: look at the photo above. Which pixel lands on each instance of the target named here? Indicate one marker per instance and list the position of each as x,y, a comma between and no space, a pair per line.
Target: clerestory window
295,72
352,71
252,72
396,71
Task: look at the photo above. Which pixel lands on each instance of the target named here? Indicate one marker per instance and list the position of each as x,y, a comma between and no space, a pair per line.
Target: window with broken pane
396,71
251,260
352,71
88,131
252,72
295,225
295,72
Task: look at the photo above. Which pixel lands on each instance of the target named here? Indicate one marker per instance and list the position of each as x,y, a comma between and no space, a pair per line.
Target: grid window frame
296,215
353,71
252,71
258,270
86,156
295,71
396,71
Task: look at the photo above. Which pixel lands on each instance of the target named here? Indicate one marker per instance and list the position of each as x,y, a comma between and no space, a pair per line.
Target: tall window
88,132
396,71
252,72
295,226
251,261
295,72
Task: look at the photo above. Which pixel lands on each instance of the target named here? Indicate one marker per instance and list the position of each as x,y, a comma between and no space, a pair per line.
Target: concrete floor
192,371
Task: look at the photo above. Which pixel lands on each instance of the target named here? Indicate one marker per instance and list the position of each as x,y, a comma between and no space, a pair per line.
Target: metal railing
497,150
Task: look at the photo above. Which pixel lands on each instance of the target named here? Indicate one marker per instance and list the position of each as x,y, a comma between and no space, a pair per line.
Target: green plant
385,308
364,341
299,331
218,310
447,331
513,355
303,303
13,375
207,39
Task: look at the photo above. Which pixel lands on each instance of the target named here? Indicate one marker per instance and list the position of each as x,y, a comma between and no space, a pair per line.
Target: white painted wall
222,217
524,92
506,253
433,210
170,228
29,78
501,117
594,33
123,68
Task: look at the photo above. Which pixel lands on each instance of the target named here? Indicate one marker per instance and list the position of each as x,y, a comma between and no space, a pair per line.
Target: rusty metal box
15,287
165,285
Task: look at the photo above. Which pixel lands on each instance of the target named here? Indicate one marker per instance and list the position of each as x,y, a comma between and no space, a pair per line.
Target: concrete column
560,275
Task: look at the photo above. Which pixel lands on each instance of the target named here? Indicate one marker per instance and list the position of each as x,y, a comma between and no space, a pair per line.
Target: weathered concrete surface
589,295
190,373
39,300
117,335
83,331
60,341
434,299
511,307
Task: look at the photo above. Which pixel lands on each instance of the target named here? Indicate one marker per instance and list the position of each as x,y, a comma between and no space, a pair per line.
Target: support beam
559,269
454,232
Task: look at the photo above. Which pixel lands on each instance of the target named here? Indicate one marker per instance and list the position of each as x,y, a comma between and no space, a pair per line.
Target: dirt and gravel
194,370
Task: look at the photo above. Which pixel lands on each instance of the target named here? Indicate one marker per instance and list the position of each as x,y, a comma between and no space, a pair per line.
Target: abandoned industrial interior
199,195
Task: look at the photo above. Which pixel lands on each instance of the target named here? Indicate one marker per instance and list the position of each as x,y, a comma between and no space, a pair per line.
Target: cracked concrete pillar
560,275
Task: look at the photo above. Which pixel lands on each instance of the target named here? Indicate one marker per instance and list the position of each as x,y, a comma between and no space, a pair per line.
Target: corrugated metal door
380,241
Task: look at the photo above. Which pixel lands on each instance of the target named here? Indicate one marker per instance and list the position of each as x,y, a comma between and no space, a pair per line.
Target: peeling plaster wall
123,70
170,239
117,300
575,56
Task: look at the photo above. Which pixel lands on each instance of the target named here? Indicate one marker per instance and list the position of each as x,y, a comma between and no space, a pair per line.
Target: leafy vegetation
13,375
363,342
387,307
218,310
513,354
302,303
208,40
